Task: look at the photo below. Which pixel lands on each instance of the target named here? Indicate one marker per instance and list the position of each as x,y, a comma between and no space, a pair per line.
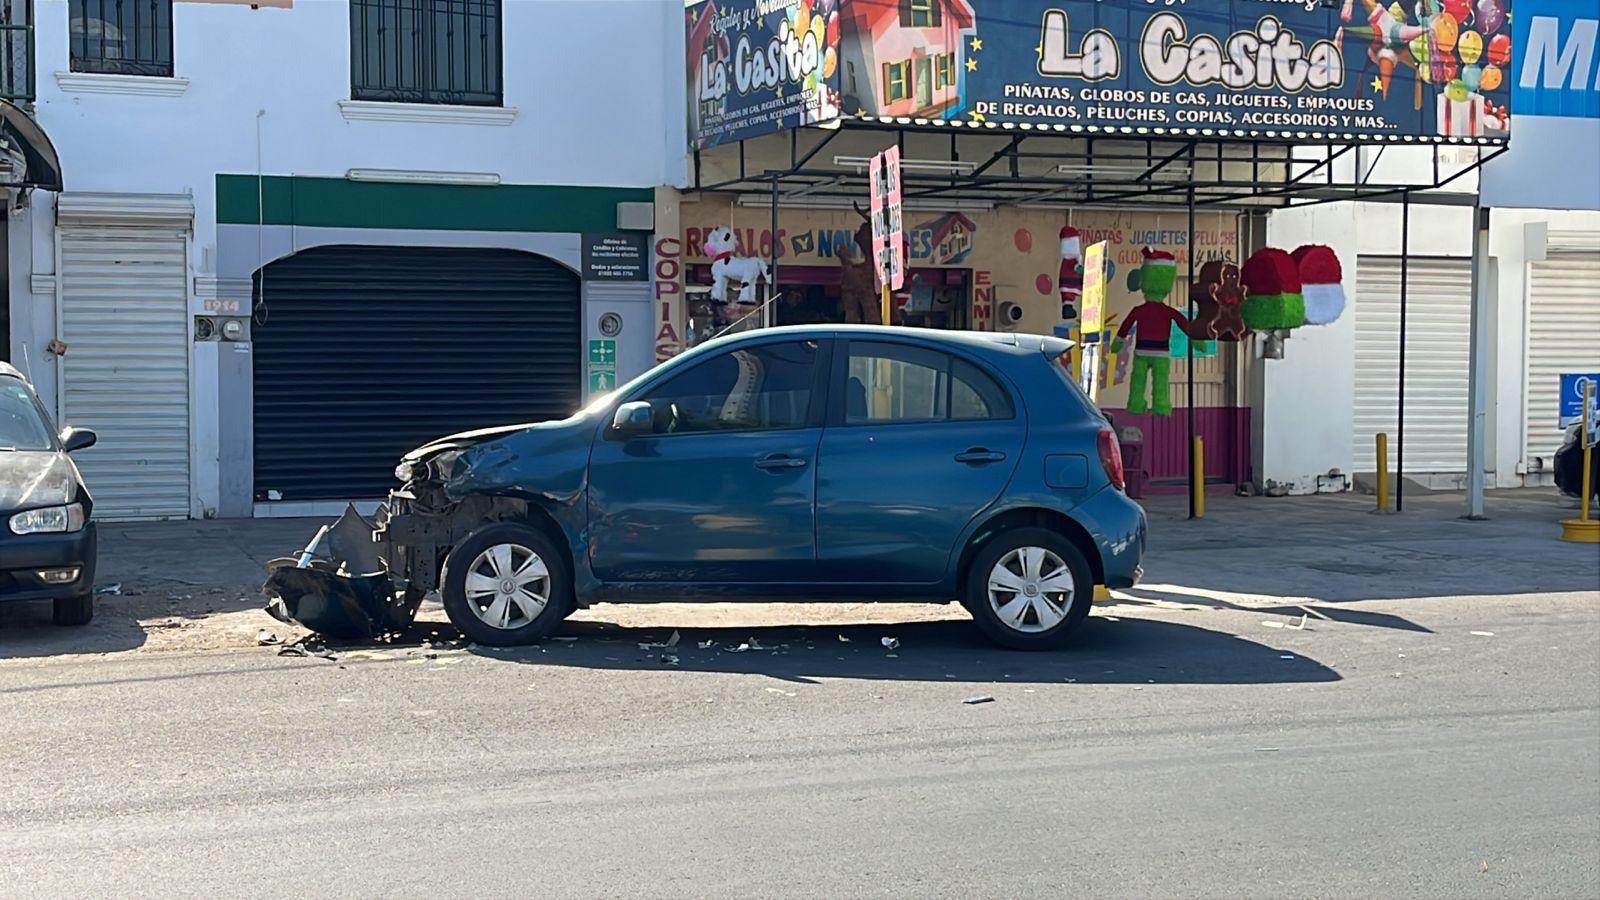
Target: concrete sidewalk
195,585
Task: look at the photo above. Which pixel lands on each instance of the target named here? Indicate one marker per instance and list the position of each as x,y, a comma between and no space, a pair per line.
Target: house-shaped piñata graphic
905,57
950,239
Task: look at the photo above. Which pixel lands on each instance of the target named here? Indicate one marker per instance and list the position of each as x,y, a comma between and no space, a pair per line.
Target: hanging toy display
1273,299
1321,279
1071,277
1151,323
1217,295
727,269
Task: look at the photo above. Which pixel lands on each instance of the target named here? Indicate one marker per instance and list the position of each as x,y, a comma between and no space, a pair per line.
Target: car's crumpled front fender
546,463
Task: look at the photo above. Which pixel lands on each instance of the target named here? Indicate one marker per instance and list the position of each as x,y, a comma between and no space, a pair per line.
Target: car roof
7,369
978,340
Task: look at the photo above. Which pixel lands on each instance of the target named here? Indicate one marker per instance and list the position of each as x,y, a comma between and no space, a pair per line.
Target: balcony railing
16,63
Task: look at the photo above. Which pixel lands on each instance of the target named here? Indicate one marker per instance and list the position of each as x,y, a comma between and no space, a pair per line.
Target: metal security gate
362,353
123,307
1438,319
1563,327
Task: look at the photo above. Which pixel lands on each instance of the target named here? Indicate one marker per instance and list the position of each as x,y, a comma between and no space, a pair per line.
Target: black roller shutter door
362,353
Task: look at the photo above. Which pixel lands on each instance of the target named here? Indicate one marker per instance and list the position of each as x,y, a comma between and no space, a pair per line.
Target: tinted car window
21,425
761,387
893,383
974,395
890,383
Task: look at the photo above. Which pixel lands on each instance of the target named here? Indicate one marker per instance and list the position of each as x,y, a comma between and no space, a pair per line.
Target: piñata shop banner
1289,69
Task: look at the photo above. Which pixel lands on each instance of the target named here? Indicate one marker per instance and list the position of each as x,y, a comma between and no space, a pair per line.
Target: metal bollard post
1197,483
1383,471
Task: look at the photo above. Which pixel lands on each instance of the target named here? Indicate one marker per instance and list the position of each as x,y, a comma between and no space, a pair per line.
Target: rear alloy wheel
1029,589
506,584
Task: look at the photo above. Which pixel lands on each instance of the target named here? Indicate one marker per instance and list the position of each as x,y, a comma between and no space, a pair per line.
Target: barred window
426,51
121,37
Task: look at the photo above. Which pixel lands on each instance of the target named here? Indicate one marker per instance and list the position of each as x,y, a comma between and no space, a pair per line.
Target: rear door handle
779,461
979,455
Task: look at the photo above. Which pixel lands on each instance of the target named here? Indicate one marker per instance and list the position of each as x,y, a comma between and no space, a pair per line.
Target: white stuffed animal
729,269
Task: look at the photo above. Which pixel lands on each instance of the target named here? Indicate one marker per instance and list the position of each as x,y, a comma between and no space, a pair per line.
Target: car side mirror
634,419
74,439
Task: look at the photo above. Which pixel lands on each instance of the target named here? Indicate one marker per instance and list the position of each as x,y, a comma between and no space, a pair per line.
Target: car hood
464,440
547,459
33,478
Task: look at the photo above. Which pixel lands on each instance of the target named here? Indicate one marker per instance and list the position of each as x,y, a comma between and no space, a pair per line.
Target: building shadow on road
1107,651
1306,611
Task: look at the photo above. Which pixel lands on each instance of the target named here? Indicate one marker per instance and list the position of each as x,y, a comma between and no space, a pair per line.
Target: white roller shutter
1438,320
1563,336
123,307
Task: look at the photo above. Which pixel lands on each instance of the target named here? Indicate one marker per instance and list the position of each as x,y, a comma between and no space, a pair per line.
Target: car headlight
444,464
50,520
404,471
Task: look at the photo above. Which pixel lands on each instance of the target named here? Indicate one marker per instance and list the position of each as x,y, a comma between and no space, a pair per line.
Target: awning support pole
772,261
1195,470
1478,367
1405,285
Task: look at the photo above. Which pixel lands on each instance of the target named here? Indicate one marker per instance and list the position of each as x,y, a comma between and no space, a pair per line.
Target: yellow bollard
885,301
1197,478
1383,472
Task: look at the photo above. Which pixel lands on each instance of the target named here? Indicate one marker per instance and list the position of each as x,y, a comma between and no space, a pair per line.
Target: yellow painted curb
1101,595
1580,531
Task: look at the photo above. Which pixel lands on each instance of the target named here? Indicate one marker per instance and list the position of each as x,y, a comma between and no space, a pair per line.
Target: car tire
506,585
77,610
1040,570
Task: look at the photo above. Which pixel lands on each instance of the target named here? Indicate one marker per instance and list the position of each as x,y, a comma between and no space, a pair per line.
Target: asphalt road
1177,751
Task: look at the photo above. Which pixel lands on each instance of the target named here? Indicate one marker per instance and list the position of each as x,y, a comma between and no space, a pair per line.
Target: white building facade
298,237
1322,405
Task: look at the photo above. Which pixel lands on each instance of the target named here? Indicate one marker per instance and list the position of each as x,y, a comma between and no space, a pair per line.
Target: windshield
22,425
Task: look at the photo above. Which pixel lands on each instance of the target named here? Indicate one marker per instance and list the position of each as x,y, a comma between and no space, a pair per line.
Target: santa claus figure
1071,272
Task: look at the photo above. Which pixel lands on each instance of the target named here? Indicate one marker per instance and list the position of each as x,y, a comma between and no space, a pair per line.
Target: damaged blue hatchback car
853,463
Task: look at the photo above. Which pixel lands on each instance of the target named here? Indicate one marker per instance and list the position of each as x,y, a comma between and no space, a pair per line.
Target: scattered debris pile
339,586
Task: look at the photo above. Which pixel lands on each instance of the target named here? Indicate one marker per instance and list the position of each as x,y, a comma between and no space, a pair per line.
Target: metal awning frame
1151,171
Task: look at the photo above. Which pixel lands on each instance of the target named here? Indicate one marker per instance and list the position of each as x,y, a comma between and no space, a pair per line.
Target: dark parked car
1569,465
47,543
788,463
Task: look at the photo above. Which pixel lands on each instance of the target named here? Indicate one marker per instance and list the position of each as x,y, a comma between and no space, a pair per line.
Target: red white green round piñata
1274,301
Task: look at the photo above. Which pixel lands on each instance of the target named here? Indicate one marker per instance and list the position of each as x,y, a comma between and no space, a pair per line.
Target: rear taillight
1111,457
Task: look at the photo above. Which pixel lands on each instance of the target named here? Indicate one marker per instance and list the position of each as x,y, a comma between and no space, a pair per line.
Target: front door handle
980,455
780,461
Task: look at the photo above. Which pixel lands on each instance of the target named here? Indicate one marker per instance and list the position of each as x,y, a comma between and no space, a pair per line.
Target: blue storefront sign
1558,73
759,66
1572,387
1286,69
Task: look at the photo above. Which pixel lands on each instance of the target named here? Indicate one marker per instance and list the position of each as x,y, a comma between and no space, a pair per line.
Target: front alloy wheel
506,584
